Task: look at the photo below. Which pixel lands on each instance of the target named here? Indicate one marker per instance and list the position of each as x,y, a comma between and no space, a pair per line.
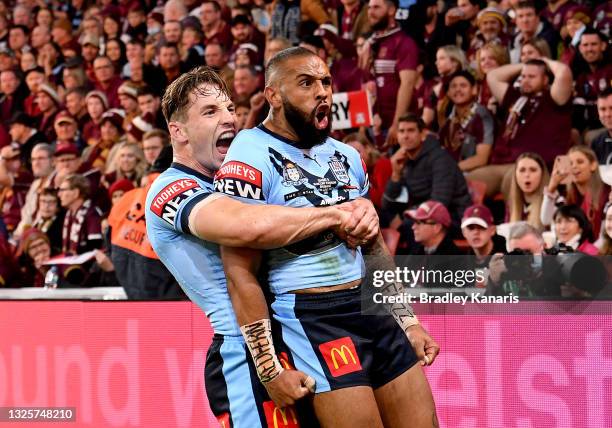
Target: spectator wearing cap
76,106
128,99
15,180
593,75
33,78
575,22
107,81
529,26
478,229
48,101
67,130
42,168
23,131
66,162
149,103
391,56
138,126
153,142
216,57
491,29
243,31
469,131
13,94
96,104
430,224
214,27
556,11
82,230
421,171
90,49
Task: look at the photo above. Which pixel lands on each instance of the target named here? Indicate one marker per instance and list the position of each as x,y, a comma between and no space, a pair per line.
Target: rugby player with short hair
365,368
186,221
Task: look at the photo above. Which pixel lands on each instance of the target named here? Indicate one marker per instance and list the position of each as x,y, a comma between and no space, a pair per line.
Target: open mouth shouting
224,141
321,116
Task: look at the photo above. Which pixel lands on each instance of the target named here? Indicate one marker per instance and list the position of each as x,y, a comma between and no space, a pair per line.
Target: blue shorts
331,340
236,396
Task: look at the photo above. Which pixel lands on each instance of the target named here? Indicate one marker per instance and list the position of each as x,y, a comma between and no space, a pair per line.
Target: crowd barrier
141,364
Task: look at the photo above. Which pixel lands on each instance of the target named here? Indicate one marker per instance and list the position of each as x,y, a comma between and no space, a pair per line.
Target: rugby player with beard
365,368
186,221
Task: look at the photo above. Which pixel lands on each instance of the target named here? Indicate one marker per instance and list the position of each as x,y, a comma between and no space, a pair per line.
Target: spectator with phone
578,183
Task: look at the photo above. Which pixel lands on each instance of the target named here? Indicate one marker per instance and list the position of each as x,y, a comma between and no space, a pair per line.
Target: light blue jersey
264,168
195,264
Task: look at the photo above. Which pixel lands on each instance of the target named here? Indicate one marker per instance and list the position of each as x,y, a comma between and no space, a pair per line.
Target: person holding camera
524,271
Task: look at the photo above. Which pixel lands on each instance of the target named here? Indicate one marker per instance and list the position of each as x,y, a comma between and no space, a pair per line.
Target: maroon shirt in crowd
111,91
223,37
82,229
557,17
13,198
541,126
393,52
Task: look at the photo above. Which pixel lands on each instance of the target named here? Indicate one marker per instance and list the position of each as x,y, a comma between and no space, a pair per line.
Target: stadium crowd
491,127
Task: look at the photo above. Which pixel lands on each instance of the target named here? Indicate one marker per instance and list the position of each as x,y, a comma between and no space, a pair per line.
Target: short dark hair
165,44
137,41
279,59
80,90
461,73
412,118
592,31
176,101
526,4
543,66
146,90
214,3
21,27
48,191
605,93
575,212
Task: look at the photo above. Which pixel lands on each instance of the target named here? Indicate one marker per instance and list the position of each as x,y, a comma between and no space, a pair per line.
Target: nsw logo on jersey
239,179
168,201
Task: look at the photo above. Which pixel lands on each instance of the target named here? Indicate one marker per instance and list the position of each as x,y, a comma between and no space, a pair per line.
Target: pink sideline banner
141,364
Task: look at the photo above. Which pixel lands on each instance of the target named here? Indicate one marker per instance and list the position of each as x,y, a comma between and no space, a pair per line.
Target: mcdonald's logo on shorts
277,417
341,356
224,420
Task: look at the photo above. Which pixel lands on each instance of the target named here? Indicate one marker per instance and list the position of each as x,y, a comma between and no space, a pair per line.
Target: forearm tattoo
258,337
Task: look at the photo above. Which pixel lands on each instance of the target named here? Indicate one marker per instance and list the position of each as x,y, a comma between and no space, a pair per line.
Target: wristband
258,337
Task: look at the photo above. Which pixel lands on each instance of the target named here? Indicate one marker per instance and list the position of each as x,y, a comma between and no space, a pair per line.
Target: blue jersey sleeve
245,173
171,200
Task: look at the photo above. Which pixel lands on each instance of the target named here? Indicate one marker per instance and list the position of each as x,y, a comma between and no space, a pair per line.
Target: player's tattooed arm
284,385
378,258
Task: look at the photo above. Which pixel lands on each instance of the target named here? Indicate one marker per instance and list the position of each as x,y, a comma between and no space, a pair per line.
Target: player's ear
177,132
273,97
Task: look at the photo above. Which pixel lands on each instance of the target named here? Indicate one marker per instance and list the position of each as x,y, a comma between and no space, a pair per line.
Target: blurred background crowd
491,127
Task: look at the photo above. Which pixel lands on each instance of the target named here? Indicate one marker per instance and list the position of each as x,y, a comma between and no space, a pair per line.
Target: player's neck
193,164
279,125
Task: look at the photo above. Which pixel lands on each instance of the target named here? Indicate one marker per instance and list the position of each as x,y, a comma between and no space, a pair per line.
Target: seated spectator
76,106
97,104
127,162
139,126
378,166
15,180
468,133
48,102
538,111
544,278
42,167
430,224
216,30
66,129
128,99
572,229
593,75
149,103
243,31
478,229
153,142
115,50
192,51
34,250
13,91
24,132
66,161
574,23
33,78
82,224
422,171
169,59
96,155
535,48
606,243
528,26
50,218
463,20
602,144
491,30
246,82
118,189
556,11
529,179
107,81
584,187
489,57
217,58
243,107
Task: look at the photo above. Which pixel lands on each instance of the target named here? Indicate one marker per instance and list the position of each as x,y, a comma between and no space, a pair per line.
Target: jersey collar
191,171
296,144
